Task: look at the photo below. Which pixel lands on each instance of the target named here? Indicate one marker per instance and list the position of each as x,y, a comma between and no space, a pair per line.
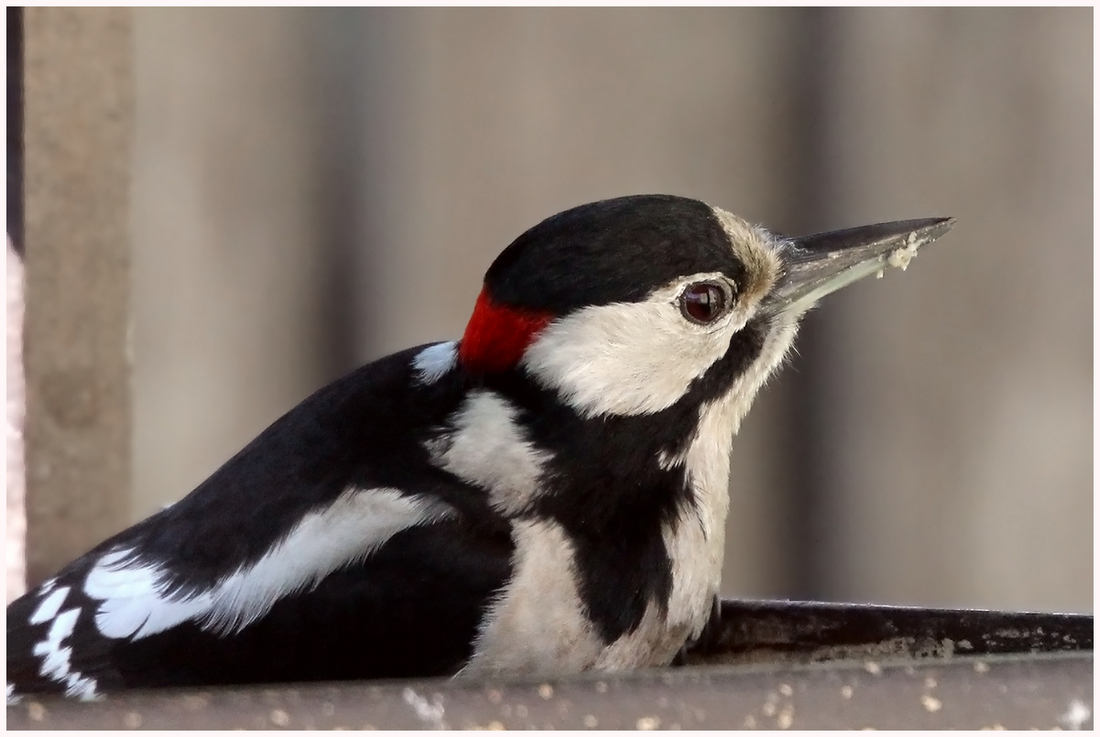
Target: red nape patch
497,335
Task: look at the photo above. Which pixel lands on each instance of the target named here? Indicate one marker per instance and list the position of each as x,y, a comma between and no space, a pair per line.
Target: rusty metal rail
770,665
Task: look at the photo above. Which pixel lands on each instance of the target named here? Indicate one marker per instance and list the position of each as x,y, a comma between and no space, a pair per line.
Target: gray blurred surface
1020,692
959,468
316,188
227,260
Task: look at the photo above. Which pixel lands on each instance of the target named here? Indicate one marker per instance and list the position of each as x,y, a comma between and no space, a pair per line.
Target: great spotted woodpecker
547,494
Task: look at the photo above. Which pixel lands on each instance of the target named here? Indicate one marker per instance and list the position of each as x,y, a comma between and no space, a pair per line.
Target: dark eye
703,302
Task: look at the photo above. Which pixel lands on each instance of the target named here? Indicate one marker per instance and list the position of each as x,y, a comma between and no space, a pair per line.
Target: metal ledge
767,665
804,632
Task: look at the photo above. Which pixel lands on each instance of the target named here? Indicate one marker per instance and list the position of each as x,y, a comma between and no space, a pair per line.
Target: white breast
537,624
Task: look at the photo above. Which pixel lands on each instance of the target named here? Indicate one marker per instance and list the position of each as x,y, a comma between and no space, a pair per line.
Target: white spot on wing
488,448
56,660
435,360
50,605
80,687
49,648
134,599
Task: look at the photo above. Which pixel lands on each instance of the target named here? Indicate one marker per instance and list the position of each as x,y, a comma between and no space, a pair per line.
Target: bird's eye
703,302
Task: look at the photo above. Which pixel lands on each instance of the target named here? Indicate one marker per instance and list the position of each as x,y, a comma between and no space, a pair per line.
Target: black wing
329,548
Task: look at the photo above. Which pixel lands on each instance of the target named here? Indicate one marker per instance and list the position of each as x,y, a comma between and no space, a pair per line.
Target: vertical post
78,108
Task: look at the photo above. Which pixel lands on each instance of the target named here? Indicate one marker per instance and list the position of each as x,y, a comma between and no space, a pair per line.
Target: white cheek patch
488,448
134,596
434,361
628,358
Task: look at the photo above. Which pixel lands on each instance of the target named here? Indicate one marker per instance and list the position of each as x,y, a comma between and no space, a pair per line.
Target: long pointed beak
817,265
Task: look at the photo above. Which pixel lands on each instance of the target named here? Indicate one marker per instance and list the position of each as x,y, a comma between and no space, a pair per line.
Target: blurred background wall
312,189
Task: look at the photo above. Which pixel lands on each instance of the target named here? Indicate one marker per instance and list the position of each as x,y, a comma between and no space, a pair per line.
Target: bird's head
628,306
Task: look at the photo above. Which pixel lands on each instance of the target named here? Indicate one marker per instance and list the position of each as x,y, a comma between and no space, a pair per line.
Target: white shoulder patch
488,448
435,360
132,600
132,593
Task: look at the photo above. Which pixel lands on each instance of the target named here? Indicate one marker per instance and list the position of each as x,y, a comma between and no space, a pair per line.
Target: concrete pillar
79,119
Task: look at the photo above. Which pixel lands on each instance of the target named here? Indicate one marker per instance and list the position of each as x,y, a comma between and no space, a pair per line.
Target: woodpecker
546,495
